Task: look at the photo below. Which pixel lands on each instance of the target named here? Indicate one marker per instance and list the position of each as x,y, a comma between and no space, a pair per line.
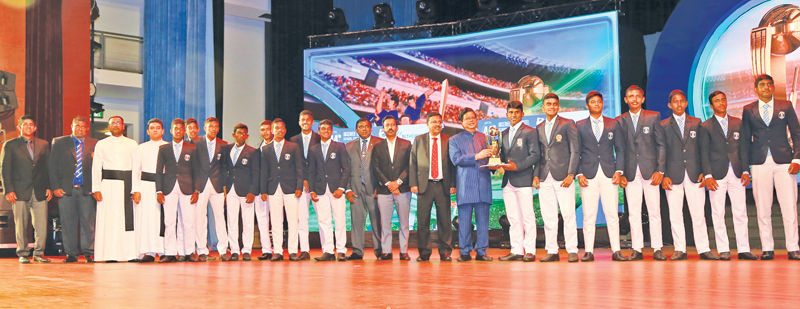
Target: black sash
151,177
125,176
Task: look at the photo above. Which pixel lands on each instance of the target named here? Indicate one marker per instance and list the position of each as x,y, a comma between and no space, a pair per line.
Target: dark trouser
465,212
365,204
25,212
77,211
436,192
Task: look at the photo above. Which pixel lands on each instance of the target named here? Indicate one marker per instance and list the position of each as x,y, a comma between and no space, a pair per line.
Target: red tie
435,160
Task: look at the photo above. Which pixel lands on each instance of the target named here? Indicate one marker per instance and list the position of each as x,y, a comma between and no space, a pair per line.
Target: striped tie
177,151
210,146
765,116
364,144
597,131
79,158
548,129
305,146
236,154
278,147
724,124
680,126
324,152
635,119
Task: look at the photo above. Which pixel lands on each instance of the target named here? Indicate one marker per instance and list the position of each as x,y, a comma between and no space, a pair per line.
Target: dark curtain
44,68
218,10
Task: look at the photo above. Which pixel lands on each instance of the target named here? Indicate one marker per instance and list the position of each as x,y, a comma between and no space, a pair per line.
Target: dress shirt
438,150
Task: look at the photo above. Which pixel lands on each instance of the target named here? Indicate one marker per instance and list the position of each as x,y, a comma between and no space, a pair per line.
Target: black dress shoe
725,256
265,257
326,257
341,257
709,256
573,257
484,258
385,257
636,256
423,258
304,256
445,258
24,260
246,257
191,258
659,256
181,258
202,258
88,258
293,257
147,259
617,256
404,257
354,257
511,257
747,256
767,255
134,261
168,259
550,258
70,259
225,257
277,257
235,257
464,258
588,257
678,256
794,255
529,257
41,259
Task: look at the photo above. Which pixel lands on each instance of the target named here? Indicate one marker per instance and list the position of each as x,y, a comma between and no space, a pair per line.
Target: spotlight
487,8
336,21
383,16
426,12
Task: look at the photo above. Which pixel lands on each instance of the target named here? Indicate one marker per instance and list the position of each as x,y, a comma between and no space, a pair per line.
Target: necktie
597,131
724,124
435,159
30,148
324,152
511,133
680,126
236,154
278,147
635,118
177,151
548,130
305,146
79,158
765,115
210,146
364,144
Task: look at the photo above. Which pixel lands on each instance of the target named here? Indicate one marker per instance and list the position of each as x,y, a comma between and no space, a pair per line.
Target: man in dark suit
361,192
305,140
600,173
329,170
281,185
70,168
645,156
261,206
520,150
683,176
176,189
242,169
27,187
390,160
772,161
557,167
211,182
431,176
722,166
192,129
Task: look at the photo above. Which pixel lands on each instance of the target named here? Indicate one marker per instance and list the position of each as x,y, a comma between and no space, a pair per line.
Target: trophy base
494,161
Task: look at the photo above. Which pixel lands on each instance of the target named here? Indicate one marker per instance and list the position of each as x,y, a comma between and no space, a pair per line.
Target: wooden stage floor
396,284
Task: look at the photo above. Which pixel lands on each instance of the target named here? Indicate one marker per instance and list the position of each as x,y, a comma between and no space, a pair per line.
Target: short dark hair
714,94
155,120
676,92
463,112
240,126
307,112
212,119
395,98
593,94
514,105
326,121
762,77
388,117
551,96
362,119
411,97
266,122
190,121
117,116
178,121
431,115
79,119
632,88
23,118
277,121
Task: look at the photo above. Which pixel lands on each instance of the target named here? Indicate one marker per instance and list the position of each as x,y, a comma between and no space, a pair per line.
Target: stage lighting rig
426,12
383,16
487,8
532,4
337,23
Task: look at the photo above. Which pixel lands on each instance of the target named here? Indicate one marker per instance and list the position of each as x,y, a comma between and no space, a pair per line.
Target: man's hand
623,182
298,193
249,198
415,190
12,197
59,192
745,180
452,191
483,154
305,186
351,197
536,182
264,197
338,193
794,168
567,181
314,197
97,196
511,166
375,193
702,181
583,181
712,184
617,178
396,191
136,197
657,177
393,185
666,183
48,194
194,198
160,198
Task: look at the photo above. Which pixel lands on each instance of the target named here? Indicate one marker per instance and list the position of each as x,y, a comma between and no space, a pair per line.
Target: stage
401,284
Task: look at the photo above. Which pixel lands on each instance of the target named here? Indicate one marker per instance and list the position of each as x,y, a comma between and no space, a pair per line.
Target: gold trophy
494,139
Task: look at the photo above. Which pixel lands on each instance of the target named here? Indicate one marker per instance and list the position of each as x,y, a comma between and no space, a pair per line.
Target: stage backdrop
485,70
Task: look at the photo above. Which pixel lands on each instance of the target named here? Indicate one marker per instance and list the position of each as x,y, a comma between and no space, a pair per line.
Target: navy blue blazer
609,152
757,136
332,173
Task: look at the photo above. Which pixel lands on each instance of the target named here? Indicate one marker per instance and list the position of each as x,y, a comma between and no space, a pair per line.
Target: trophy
494,139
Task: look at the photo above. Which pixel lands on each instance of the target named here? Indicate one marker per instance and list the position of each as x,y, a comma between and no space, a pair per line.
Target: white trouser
277,202
600,189
519,210
733,186
217,200
553,197
234,203
696,198
262,217
764,177
327,204
652,195
174,203
302,217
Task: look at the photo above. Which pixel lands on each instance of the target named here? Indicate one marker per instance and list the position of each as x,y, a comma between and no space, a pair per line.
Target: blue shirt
414,112
78,180
385,113
473,183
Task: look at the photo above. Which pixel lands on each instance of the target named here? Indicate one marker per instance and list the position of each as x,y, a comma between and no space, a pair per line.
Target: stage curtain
44,67
196,60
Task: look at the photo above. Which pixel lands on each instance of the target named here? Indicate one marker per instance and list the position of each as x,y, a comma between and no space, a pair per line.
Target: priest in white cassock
147,211
112,186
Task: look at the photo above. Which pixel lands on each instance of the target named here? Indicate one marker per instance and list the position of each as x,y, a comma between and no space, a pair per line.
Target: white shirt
391,145
212,146
512,132
601,125
548,130
761,108
278,154
325,148
234,152
438,150
681,119
180,148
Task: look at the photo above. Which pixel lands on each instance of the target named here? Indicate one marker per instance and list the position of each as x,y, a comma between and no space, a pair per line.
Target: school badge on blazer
333,155
519,142
219,156
287,156
186,157
692,134
610,135
244,161
646,130
558,138
736,136
781,115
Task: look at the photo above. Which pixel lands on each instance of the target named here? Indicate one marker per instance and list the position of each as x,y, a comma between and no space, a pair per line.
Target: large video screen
483,71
